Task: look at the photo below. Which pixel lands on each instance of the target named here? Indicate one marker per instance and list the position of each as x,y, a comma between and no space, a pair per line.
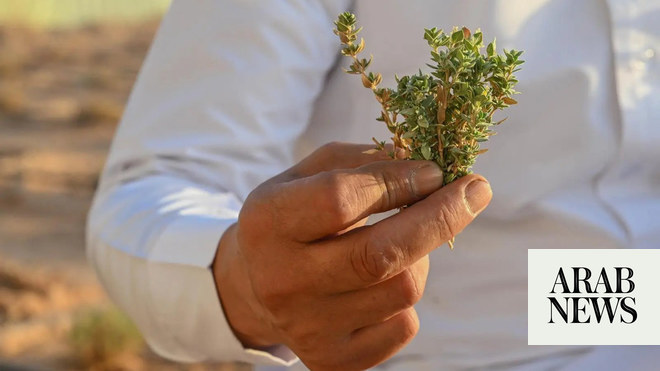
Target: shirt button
649,53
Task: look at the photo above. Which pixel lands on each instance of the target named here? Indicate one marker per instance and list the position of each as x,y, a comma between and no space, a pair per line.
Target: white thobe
234,92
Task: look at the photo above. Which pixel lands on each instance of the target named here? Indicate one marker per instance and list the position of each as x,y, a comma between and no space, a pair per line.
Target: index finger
336,155
324,204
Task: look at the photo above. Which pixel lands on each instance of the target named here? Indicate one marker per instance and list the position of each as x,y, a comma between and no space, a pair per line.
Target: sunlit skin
301,268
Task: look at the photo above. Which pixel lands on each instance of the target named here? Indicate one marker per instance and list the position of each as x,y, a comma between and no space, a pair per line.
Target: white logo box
543,269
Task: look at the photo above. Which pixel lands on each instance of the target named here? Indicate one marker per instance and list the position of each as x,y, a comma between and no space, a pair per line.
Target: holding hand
300,268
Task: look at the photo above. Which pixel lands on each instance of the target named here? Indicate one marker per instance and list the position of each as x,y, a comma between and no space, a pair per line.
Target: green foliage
442,116
98,336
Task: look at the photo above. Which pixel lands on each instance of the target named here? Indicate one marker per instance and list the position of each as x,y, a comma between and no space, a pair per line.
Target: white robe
234,92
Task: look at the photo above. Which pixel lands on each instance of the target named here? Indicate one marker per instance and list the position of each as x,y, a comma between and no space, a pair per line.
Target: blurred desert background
66,70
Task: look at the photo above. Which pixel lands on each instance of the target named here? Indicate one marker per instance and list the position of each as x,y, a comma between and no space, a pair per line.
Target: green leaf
457,36
478,37
453,103
422,122
490,49
426,152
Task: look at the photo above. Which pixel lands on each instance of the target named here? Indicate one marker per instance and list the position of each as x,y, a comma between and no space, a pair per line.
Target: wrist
241,308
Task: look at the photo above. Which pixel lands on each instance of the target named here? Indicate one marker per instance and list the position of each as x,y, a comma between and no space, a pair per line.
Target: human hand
300,268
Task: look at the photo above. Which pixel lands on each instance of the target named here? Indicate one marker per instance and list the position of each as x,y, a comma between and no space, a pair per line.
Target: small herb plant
444,115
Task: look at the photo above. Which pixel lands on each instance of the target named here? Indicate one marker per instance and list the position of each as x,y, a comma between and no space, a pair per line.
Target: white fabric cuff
185,298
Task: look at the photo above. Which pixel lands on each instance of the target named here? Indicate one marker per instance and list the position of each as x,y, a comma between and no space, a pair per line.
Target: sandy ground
61,95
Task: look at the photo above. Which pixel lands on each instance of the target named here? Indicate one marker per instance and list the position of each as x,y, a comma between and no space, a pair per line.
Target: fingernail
426,179
477,195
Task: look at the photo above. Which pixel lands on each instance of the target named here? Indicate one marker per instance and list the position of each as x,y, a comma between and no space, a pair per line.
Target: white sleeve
225,91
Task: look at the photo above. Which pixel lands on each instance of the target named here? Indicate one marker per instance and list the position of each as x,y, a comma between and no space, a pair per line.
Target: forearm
215,111
152,242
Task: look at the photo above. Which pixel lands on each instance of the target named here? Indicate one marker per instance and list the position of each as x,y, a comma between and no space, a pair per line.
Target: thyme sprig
445,115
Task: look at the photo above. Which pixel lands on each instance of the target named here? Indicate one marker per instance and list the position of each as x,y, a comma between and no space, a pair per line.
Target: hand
300,268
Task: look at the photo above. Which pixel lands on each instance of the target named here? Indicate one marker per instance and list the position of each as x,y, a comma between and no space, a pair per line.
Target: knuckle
338,197
376,260
446,219
332,146
328,149
249,209
277,199
408,326
394,188
256,211
410,292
